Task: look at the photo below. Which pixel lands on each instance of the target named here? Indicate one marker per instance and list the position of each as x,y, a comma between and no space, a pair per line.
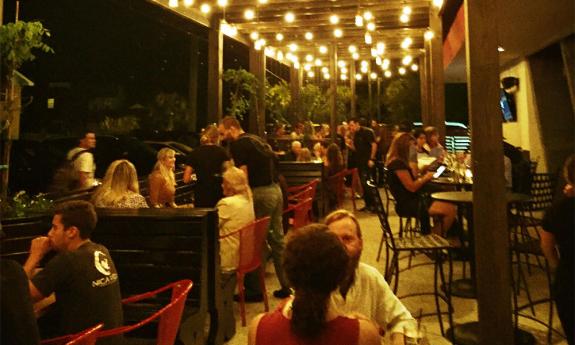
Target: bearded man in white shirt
365,291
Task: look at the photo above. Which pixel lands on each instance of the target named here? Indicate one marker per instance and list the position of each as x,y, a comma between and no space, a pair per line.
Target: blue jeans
268,201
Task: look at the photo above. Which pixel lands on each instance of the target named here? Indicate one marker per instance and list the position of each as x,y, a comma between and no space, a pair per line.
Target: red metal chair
301,213
293,191
252,239
337,184
87,337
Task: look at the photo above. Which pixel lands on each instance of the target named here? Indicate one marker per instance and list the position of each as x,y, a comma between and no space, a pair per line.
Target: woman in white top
120,187
235,210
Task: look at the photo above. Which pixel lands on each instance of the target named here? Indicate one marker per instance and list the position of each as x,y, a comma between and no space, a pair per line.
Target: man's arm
38,249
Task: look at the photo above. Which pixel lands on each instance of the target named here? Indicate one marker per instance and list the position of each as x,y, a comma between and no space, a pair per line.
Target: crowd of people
331,297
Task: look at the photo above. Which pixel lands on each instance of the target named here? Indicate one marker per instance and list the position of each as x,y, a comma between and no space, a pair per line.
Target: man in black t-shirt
82,275
255,157
365,150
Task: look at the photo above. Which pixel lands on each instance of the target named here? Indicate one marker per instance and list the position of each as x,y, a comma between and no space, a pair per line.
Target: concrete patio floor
418,279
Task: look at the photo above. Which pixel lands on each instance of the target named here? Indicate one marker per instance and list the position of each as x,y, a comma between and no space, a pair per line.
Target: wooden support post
424,89
378,101
437,80
352,86
568,54
369,95
333,91
295,86
257,121
489,205
192,117
215,70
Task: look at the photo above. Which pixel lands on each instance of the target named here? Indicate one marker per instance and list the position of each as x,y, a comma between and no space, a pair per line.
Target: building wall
526,132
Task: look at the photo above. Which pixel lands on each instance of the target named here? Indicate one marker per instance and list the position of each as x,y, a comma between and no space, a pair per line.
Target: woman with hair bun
162,180
314,262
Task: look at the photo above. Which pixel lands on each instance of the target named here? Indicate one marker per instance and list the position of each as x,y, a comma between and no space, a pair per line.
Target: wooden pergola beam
371,5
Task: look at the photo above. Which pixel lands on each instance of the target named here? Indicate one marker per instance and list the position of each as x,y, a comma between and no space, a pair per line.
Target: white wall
526,131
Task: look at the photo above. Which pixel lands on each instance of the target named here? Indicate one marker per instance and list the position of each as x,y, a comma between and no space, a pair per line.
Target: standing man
365,150
255,157
82,160
364,290
82,275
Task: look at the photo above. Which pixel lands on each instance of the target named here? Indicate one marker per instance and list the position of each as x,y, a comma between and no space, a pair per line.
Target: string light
414,67
380,48
323,50
326,76
343,77
370,26
373,75
378,61
290,56
438,3
373,52
406,43
254,35
367,15
227,29
407,60
296,65
404,18
364,69
368,39
263,2
355,56
500,49
188,3
293,47
402,70
173,3
385,64
307,67
205,8
352,49
318,62
406,10
289,17
358,20
338,33
309,58
334,19
358,76
308,36
343,70
428,35
222,3
249,14
269,51
341,64
310,74
363,63
324,70
280,56
387,74
279,37
259,44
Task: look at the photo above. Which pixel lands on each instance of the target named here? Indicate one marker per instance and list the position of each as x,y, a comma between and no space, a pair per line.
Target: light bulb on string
279,37
380,48
289,17
367,15
308,36
404,18
173,3
352,49
402,70
355,56
205,8
254,35
406,10
249,14
407,60
373,76
188,3
311,74
338,33
323,50
414,67
334,19
428,35
370,26
309,58
387,74
368,39
358,76
358,20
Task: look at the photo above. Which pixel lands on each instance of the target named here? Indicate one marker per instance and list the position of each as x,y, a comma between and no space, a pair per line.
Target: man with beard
364,290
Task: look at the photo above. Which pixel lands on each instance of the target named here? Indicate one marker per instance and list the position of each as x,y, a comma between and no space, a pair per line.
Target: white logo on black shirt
101,263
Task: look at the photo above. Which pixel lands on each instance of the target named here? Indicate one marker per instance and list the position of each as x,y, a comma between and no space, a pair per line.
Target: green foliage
243,89
343,103
278,100
22,205
313,104
119,125
402,98
19,41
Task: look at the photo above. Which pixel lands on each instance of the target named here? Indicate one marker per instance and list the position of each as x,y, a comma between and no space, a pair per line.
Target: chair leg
436,293
396,283
380,245
263,287
241,292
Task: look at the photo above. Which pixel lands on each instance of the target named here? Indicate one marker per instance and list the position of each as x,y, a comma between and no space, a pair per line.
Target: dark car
33,163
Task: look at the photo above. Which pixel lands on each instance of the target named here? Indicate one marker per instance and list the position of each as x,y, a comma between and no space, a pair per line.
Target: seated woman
208,162
405,187
332,165
235,210
162,181
120,187
315,263
304,155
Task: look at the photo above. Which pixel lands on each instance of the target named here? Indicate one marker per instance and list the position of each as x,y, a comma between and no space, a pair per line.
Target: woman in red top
314,263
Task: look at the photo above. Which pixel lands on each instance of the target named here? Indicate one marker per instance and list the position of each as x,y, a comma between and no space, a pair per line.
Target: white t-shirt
371,296
84,163
234,212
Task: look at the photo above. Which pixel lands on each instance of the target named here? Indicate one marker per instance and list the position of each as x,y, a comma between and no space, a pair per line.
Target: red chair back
169,315
301,213
296,189
86,337
252,239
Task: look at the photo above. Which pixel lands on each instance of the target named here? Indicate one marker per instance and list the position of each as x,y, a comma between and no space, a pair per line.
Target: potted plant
19,42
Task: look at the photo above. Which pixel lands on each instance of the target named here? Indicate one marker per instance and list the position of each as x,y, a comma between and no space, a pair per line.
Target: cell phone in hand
439,171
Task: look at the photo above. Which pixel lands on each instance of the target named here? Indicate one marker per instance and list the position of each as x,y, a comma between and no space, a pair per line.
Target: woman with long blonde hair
119,188
162,180
405,187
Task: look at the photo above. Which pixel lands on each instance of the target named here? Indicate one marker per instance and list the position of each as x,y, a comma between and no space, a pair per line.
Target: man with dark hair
82,275
82,159
364,150
364,290
255,157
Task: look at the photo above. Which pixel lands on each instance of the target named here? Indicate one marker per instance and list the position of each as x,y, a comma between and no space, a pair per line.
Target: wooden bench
299,173
152,247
